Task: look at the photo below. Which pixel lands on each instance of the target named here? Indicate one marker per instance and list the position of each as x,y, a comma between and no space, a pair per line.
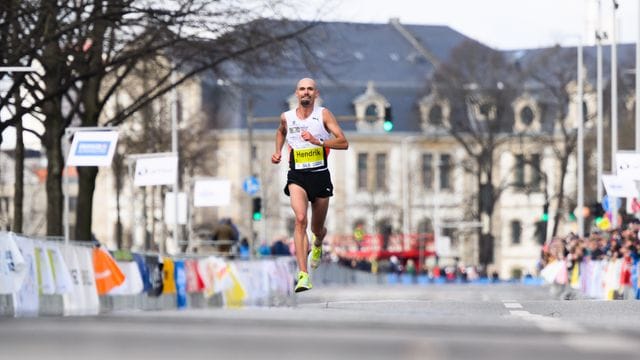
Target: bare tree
553,74
479,85
88,48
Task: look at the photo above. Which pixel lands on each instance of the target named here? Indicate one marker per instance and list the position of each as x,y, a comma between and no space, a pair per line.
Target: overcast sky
502,24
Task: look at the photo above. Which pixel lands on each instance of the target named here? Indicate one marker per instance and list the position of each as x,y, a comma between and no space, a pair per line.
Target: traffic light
388,120
257,208
545,212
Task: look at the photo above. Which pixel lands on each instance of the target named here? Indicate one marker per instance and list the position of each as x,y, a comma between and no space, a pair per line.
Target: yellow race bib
308,158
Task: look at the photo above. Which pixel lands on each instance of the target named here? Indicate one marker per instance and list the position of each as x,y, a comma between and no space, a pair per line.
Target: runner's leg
299,205
319,210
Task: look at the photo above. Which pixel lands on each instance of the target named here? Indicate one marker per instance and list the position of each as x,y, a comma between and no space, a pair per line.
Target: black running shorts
316,184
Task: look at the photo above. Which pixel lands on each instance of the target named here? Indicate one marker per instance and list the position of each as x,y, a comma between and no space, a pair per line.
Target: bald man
310,131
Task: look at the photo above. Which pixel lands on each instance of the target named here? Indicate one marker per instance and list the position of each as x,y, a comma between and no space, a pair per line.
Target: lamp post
614,109
638,83
580,150
599,155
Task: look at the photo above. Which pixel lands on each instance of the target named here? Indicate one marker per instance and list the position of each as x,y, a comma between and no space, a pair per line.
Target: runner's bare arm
339,141
281,134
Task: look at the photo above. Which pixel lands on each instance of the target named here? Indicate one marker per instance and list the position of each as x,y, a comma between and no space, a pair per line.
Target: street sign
251,185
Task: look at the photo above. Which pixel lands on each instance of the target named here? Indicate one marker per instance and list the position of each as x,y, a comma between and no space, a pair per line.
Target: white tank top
305,155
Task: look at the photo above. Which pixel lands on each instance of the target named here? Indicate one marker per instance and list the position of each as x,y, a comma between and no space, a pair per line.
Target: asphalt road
381,322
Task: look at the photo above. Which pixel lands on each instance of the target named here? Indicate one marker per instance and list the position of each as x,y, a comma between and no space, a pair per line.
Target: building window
371,113
536,177
519,172
381,171
445,171
427,171
435,115
362,171
527,115
516,232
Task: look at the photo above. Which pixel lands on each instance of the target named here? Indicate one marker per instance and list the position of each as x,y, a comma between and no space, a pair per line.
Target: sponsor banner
46,283
211,192
61,275
92,148
73,301
154,266
89,290
26,301
132,284
144,271
628,164
194,281
107,273
161,170
12,265
181,284
168,279
619,186
215,275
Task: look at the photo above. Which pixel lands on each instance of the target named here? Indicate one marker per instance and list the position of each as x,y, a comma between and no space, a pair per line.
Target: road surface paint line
548,323
510,305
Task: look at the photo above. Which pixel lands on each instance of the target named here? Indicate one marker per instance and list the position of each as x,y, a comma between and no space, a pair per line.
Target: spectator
279,248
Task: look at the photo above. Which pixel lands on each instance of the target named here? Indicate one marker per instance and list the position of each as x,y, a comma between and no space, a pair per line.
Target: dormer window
434,113
370,110
484,109
527,114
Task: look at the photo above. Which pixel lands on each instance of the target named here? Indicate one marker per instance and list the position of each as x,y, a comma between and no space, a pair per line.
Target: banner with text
160,170
211,192
92,148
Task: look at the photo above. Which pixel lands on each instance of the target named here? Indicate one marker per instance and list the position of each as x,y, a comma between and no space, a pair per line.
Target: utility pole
614,110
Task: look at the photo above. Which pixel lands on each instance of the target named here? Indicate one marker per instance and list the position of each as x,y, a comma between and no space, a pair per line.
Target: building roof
343,58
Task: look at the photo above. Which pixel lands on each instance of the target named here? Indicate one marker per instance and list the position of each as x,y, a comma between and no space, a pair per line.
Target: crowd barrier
596,279
39,277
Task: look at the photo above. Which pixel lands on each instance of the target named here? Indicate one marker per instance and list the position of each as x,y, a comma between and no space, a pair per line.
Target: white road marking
512,306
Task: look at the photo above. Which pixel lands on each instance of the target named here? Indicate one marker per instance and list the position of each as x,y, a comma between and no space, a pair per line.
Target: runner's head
306,92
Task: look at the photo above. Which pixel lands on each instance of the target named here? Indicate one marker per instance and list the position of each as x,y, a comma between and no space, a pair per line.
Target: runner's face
306,92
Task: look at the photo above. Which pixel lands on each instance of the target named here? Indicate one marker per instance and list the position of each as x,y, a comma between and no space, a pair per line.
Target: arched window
435,115
527,115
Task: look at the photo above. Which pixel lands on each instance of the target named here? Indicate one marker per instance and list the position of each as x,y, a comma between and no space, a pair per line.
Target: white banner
169,208
628,164
156,171
92,148
211,192
619,186
26,300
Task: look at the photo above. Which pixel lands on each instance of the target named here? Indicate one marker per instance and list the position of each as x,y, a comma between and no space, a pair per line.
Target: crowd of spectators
617,248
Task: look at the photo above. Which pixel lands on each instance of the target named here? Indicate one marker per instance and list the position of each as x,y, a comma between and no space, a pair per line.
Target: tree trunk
86,186
55,164
54,62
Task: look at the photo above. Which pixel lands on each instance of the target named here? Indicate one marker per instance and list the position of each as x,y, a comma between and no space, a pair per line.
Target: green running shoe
316,256
304,283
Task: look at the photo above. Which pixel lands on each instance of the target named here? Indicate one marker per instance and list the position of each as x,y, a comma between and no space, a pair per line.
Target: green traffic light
257,216
544,217
387,126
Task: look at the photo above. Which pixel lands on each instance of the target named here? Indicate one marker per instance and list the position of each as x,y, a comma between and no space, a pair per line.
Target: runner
310,132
